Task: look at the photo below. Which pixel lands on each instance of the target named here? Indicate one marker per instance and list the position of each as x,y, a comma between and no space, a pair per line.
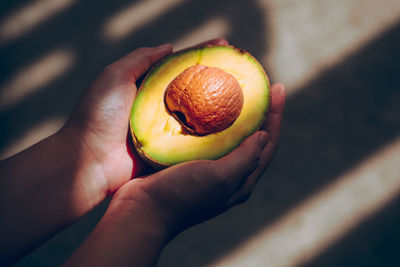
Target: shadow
57,98
374,243
9,6
76,27
330,125
59,247
79,28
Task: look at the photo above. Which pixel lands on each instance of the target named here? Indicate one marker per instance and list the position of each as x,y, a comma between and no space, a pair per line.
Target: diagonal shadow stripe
76,26
9,6
374,243
330,125
56,99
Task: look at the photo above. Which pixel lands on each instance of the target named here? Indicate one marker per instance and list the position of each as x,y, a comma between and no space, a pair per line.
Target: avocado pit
204,100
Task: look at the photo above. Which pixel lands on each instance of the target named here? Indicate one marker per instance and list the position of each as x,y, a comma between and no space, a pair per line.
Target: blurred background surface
331,196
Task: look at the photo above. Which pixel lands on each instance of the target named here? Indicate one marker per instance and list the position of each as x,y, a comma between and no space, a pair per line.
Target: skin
67,174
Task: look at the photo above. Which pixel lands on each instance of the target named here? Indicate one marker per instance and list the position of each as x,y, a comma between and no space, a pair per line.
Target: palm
102,117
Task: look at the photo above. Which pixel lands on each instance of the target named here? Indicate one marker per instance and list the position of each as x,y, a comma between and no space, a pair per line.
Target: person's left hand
101,119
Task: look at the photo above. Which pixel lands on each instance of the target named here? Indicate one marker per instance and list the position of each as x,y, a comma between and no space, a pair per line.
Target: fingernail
262,138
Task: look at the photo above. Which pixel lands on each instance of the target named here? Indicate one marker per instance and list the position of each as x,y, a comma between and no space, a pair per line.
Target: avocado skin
139,139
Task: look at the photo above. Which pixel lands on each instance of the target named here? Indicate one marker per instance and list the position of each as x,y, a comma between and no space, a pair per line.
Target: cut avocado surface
161,139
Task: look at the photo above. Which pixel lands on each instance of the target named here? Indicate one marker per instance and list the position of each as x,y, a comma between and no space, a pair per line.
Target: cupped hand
101,119
189,193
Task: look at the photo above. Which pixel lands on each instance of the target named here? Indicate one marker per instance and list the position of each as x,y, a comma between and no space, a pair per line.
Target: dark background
343,107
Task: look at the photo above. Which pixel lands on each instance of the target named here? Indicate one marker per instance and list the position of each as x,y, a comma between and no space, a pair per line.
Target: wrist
128,233
60,185
140,216
86,170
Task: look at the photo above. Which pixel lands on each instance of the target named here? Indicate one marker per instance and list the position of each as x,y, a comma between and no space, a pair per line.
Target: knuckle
110,71
255,158
256,153
218,175
222,180
143,50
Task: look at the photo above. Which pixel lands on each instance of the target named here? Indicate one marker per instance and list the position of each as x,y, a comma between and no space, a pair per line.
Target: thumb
110,96
121,76
132,66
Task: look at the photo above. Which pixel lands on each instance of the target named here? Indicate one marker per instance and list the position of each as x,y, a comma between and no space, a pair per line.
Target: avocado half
162,141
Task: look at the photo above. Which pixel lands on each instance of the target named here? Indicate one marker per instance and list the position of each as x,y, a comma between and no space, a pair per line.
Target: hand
146,212
189,193
100,120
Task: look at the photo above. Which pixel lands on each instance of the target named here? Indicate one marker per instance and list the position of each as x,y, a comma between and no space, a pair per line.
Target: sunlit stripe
132,17
308,38
24,19
33,136
314,225
36,75
212,28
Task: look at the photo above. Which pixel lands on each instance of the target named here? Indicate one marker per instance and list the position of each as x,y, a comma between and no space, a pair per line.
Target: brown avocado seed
204,99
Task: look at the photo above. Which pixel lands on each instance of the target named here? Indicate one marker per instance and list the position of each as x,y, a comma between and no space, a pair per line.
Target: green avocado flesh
162,141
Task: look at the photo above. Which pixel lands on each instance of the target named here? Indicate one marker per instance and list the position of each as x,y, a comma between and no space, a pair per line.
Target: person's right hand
99,124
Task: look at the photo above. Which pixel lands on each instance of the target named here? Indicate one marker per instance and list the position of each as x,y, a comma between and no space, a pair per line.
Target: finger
217,41
273,126
135,64
242,161
275,115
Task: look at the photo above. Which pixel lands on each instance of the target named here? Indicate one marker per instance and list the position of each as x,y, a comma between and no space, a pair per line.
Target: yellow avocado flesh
161,140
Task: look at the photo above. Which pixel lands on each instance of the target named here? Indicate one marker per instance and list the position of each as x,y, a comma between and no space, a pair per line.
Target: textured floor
331,196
